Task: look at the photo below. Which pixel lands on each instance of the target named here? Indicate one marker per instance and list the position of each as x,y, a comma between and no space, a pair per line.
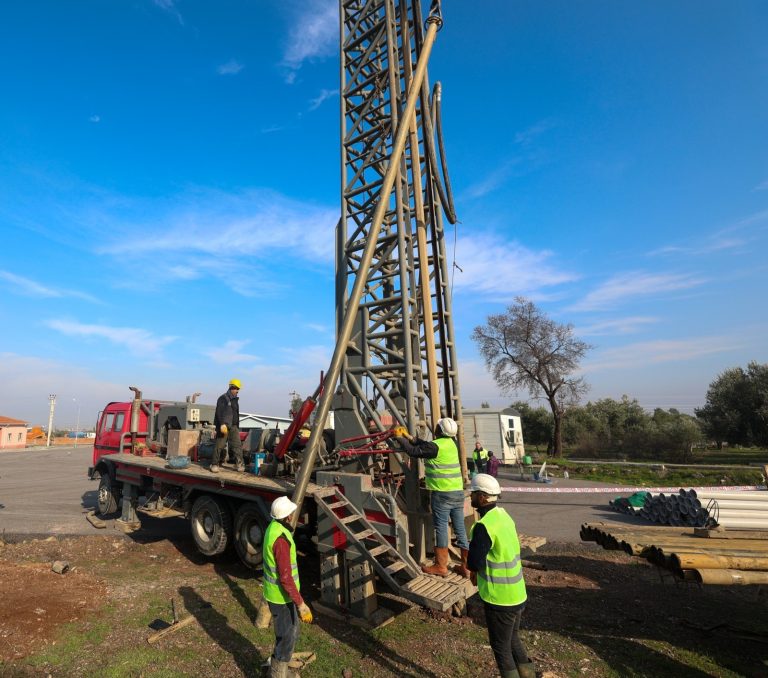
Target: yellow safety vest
273,592
443,473
501,582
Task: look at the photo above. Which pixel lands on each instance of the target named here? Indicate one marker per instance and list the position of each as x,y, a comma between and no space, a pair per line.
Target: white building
500,431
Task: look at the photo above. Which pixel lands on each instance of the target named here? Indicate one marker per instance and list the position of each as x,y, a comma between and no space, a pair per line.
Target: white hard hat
448,426
282,507
486,484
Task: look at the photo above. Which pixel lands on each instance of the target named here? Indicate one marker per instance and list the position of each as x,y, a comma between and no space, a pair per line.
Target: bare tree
523,348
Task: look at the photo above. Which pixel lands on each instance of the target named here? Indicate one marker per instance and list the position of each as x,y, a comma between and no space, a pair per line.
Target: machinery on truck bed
394,361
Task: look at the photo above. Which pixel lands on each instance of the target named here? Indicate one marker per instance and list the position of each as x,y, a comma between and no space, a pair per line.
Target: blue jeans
286,622
447,505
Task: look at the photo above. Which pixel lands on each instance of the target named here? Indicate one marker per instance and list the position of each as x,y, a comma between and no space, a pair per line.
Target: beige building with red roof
13,434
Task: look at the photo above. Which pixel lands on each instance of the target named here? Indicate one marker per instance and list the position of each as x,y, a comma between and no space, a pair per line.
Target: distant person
281,586
446,484
480,457
227,423
496,568
492,465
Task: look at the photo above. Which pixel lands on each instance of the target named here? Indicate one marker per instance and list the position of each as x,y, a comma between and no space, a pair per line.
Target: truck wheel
211,522
250,526
108,496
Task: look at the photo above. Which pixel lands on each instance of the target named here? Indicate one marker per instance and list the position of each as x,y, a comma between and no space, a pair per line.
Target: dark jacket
227,410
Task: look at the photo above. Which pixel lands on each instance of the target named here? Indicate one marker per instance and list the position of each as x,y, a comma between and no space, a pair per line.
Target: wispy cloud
231,353
634,285
528,136
32,288
497,268
762,186
661,351
232,67
226,228
94,118
491,181
320,98
616,326
314,33
169,6
138,341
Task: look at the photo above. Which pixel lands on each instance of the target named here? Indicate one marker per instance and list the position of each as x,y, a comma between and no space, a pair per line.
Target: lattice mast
401,355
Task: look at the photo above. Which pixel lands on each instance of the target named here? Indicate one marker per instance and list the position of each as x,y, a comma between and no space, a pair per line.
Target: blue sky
169,185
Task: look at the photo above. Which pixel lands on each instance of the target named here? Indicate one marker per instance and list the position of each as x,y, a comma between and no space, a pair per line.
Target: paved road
45,491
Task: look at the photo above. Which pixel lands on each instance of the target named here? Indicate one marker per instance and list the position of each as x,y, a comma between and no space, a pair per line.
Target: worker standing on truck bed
443,477
494,560
227,423
281,586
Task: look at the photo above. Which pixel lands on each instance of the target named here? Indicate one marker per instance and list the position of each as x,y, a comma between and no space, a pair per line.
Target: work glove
223,428
401,432
305,614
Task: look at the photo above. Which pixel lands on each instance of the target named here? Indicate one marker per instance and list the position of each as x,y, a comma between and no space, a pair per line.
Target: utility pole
52,400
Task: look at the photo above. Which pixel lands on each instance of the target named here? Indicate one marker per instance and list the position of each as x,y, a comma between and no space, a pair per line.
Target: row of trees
616,427
525,350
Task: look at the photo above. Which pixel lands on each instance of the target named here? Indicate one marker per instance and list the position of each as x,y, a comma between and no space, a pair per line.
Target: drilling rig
394,362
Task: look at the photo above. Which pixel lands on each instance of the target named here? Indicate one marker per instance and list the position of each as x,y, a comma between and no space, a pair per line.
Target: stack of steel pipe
705,556
673,509
745,509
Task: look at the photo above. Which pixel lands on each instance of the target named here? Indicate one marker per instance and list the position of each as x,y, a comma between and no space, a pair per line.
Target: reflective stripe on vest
501,582
443,473
273,591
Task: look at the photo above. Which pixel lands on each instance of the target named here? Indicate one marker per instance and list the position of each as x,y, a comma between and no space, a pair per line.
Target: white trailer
500,431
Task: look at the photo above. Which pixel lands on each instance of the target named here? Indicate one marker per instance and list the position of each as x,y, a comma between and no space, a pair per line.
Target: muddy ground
591,613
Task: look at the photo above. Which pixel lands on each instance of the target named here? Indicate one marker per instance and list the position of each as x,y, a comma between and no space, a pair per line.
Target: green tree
736,408
523,348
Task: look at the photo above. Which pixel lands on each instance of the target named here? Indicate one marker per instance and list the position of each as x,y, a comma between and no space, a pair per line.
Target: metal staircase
401,574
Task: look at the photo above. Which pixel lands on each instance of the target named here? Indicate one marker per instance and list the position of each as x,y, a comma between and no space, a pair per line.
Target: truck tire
108,498
211,522
250,525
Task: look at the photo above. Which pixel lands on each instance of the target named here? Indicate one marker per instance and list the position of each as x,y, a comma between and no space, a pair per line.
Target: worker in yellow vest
494,561
281,586
443,477
480,457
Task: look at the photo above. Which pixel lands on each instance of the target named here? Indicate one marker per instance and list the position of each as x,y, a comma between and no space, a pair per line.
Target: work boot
510,673
526,670
461,568
440,567
240,468
214,468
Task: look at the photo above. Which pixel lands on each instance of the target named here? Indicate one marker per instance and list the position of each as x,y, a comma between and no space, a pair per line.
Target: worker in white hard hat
227,423
281,586
444,479
494,560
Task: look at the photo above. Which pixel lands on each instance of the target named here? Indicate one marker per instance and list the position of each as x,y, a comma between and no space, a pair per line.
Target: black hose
446,198
438,109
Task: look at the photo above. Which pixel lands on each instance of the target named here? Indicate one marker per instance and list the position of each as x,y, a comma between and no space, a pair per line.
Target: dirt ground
590,613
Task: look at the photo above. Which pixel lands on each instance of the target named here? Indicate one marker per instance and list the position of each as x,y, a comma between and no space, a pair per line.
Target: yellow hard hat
235,383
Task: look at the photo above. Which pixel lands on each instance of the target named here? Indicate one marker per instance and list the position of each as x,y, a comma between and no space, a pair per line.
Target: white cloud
491,181
762,186
499,268
169,6
34,289
94,118
528,136
138,341
320,98
660,351
634,284
615,326
231,353
232,67
314,33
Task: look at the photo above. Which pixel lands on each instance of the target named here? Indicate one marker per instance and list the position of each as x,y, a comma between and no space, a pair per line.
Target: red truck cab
113,430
